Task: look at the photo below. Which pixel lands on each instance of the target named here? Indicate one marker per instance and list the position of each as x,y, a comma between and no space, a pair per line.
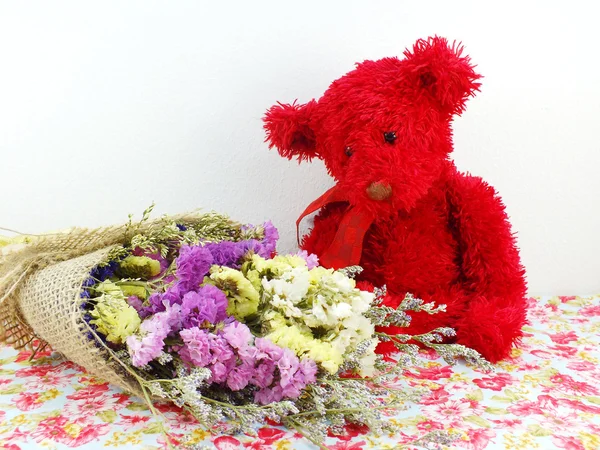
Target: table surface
546,396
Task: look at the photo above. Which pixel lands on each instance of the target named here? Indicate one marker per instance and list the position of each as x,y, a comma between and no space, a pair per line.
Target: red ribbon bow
346,248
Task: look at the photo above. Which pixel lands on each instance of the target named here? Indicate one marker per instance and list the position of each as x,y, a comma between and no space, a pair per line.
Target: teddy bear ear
289,130
443,71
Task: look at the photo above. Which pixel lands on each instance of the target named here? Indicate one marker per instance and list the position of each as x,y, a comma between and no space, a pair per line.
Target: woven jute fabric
40,295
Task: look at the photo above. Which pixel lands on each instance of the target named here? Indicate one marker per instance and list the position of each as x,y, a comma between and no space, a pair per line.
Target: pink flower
86,435
50,428
91,391
265,439
494,383
89,407
347,445
27,401
567,442
128,422
524,408
590,311
431,373
566,384
564,351
450,412
49,379
435,397
227,443
508,424
478,438
429,425
564,337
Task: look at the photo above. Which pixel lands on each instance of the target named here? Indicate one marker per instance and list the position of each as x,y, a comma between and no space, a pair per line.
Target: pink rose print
564,351
91,391
227,443
346,445
525,408
450,412
27,401
429,425
435,397
265,438
431,373
564,338
494,383
128,422
590,311
566,384
478,439
567,442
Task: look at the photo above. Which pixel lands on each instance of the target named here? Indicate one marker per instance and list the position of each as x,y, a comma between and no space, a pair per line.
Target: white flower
362,301
362,325
286,306
367,361
343,283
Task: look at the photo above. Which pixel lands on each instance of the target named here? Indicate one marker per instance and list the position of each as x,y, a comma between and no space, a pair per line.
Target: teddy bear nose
379,191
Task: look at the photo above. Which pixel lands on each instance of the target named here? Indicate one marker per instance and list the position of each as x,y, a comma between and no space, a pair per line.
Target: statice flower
149,343
193,264
207,304
271,237
238,335
225,253
196,347
311,259
239,377
223,359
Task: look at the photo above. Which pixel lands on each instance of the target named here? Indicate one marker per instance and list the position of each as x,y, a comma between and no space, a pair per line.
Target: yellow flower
242,295
132,289
139,267
114,317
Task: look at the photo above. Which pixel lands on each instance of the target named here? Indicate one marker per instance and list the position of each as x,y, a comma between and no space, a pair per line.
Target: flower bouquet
198,310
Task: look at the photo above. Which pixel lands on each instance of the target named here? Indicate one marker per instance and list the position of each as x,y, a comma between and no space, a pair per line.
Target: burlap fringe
40,287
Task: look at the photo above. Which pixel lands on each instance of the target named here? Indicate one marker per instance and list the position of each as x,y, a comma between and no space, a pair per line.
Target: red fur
443,236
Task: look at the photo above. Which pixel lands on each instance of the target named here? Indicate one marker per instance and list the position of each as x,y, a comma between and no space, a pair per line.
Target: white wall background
108,106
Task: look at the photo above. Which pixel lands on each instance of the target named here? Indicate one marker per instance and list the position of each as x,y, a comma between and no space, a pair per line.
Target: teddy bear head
383,130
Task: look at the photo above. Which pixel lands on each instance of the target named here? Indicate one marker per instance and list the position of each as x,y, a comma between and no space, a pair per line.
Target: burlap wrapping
40,287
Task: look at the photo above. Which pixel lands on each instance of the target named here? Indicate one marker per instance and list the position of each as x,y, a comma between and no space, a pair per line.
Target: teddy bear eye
389,136
348,151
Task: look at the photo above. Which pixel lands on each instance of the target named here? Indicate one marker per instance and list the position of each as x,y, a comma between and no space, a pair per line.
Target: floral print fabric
546,396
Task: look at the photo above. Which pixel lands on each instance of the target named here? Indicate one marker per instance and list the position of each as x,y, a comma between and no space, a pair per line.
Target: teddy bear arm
493,275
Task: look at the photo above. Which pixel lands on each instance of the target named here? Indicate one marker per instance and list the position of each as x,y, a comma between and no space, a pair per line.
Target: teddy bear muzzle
379,191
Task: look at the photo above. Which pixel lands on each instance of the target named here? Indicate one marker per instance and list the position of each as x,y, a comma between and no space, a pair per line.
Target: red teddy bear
400,208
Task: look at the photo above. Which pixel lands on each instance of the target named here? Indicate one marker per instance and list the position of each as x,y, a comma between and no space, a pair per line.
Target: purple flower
196,348
268,395
193,264
267,349
312,260
154,331
271,237
219,372
225,253
221,350
287,365
208,304
238,335
264,375
308,368
135,302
